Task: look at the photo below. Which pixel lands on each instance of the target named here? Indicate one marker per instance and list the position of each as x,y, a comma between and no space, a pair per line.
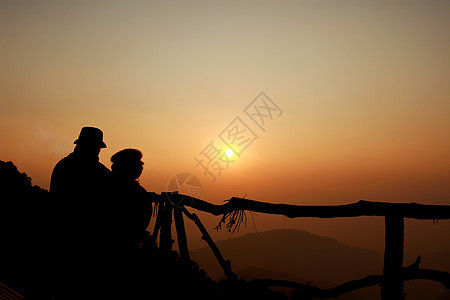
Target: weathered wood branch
225,264
428,274
181,234
323,293
360,208
371,280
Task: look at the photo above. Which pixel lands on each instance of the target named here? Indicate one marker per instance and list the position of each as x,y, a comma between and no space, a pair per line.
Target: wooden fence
233,214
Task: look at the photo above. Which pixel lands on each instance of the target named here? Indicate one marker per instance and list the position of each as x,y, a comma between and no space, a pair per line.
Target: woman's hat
90,135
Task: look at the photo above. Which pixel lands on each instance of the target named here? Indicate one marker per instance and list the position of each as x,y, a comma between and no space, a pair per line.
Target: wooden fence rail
358,209
233,213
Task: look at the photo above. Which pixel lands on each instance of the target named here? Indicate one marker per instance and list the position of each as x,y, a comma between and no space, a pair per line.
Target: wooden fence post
158,221
165,239
181,234
392,288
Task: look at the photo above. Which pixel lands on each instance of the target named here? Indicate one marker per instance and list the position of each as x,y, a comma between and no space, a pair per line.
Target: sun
229,152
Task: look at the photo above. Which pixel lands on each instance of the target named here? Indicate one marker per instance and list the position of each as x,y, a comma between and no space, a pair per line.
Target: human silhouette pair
104,223
81,172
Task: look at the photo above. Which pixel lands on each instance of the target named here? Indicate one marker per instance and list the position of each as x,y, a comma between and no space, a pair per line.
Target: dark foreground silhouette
72,247
83,247
87,238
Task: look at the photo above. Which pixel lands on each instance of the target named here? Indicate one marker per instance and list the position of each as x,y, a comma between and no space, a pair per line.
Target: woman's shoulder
140,188
126,185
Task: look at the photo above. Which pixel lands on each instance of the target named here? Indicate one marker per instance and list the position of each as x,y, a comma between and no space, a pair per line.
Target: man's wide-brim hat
90,136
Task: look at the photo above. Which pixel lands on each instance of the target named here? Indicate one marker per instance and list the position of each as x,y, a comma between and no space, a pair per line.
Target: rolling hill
295,252
297,255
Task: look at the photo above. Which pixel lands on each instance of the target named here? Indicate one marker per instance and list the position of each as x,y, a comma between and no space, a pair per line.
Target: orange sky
363,86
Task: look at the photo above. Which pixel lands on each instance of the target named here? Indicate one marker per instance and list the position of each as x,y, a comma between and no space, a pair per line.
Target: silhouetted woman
133,214
126,168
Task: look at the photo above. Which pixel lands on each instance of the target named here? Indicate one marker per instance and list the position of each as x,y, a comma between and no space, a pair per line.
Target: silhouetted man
80,185
81,171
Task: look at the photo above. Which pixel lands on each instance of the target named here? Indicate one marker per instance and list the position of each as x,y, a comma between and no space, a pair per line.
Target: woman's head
127,163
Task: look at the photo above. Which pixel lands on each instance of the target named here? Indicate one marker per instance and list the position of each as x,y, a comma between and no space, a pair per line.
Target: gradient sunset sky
363,86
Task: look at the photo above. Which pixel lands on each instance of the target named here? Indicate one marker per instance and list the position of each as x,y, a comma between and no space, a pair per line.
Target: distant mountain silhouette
297,255
252,272
13,181
295,252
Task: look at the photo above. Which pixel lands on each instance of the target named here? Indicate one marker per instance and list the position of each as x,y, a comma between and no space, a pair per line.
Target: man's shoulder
64,161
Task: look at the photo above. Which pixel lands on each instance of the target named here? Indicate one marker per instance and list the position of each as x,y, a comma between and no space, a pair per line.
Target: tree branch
408,273
324,293
360,208
225,264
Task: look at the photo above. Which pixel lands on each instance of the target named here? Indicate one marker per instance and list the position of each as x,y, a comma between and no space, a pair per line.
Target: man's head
90,141
127,163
